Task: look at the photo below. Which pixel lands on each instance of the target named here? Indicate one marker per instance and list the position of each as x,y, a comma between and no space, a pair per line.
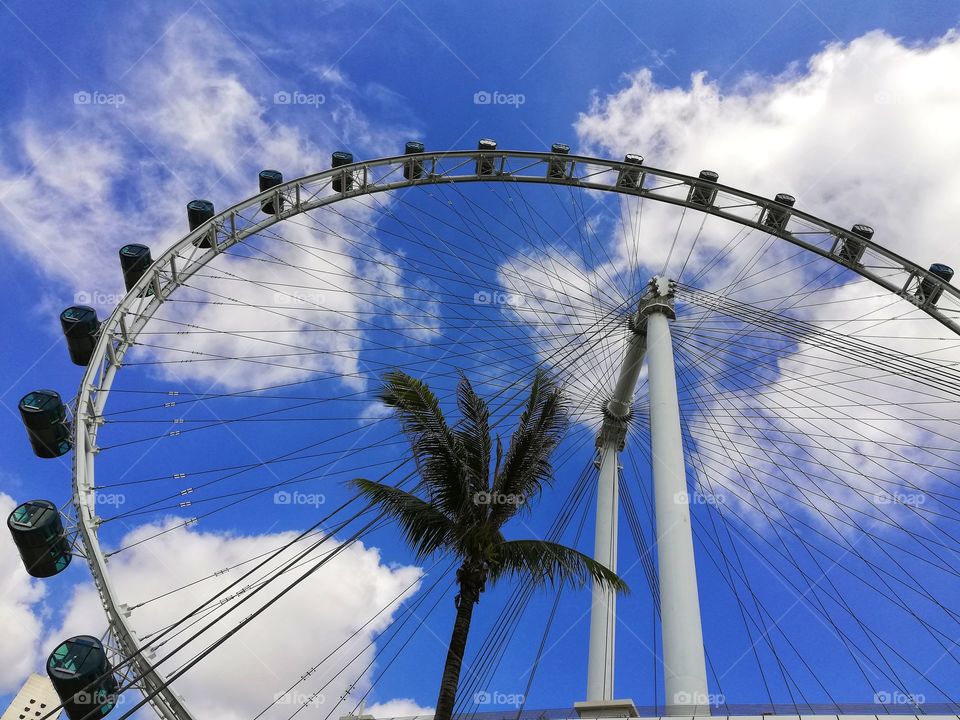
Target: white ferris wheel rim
121,329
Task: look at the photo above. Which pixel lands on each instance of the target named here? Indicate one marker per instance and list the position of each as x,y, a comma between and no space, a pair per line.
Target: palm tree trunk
455,651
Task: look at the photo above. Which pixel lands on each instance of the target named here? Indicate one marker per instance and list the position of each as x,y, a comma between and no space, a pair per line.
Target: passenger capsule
413,169
344,181
851,249
81,328
198,212
40,538
632,176
703,193
484,161
557,167
134,261
270,179
776,217
83,678
930,290
45,417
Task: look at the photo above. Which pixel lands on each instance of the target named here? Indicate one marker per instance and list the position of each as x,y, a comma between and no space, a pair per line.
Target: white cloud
399,708
863,133
21,615
251,669
199,120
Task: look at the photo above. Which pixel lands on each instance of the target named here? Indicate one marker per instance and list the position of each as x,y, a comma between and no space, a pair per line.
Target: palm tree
461,504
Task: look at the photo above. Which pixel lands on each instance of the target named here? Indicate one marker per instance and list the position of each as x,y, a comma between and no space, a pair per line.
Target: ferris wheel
766,398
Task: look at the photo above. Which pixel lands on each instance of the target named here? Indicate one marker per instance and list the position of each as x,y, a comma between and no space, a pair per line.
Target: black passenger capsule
632,176
776,217
413,169
270,179
134,261
930,290
83,678
44,416
557,167
703,193
344,181
851,249
40,537
198,212
484,161
80,327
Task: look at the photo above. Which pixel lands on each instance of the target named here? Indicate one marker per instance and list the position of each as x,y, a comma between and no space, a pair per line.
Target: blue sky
115,117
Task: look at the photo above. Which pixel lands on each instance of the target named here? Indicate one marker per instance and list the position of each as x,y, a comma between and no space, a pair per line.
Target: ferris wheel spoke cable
814,381
850,548
487,656
645,550
847,467
395,628
913,367
246,497
806,408
608,327
253,416
734,463
789,556
722,446
795,392
248,596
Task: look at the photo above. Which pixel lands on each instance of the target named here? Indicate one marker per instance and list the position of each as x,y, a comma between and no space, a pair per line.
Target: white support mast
603,611
684,667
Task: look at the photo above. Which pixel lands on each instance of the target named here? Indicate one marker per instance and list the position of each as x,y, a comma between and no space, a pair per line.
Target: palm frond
474,434
551,563
526,466
424,526
436,448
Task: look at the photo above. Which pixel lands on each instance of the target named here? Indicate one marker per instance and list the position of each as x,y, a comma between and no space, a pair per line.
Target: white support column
603,614
603,611
685,674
